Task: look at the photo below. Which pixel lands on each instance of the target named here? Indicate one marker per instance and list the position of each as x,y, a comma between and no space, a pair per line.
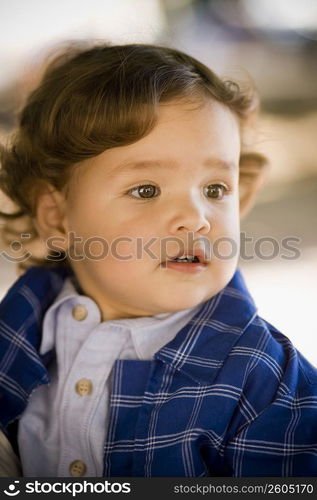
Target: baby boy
134,348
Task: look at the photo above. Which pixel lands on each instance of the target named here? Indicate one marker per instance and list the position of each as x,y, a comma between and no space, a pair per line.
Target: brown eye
215,191
144,191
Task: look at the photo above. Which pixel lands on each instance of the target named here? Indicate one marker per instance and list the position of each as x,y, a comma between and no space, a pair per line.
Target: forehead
186,134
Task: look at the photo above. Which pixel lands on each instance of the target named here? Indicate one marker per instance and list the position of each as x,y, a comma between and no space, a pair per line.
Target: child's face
189,163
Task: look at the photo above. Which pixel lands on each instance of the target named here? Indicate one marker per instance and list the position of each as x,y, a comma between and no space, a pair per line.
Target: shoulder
272,354
33,291
21,316
24,306
277,384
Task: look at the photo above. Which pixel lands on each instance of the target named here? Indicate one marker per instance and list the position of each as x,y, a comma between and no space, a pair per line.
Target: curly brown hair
99,97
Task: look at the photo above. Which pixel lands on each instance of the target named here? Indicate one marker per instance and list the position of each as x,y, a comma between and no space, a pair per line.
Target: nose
190,215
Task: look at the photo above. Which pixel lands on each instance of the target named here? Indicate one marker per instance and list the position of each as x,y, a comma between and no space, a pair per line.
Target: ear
253,173
50,219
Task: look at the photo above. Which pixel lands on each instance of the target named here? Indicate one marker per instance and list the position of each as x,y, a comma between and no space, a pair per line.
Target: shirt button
84,387
77,468
79,312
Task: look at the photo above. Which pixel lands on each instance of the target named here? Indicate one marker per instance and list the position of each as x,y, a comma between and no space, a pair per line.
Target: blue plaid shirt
228,396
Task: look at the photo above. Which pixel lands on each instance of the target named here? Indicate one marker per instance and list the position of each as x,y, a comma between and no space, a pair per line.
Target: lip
187,267
197,252
184,267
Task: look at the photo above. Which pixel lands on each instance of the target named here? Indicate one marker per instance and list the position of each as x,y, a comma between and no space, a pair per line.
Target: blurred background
274,43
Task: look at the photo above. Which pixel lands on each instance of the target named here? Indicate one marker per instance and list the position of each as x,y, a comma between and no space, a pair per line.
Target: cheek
225,234
120,238
135,254
122,249
120,270
227,222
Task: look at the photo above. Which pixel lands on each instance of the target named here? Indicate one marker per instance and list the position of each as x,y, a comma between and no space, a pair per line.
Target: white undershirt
59,425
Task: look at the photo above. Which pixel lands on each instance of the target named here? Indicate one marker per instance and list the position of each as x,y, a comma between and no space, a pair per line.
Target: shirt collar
148,334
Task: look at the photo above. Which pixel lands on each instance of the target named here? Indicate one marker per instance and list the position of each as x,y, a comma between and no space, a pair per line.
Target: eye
215,191
144,191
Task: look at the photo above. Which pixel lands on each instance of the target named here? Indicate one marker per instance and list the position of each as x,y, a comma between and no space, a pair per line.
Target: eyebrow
215,163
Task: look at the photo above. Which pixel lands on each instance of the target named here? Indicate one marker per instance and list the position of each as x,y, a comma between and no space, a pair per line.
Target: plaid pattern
228,396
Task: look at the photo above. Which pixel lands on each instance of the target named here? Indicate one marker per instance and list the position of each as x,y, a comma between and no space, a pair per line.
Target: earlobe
254,169
50,220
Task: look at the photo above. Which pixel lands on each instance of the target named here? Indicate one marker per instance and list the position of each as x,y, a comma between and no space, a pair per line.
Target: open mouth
191,256
186,262
190,259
